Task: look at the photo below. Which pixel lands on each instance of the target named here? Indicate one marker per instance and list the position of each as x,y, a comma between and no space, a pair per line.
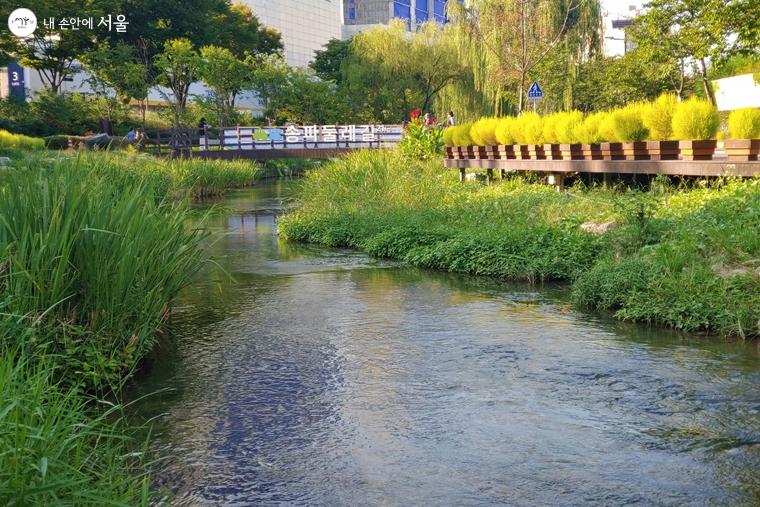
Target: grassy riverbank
93,248
682,257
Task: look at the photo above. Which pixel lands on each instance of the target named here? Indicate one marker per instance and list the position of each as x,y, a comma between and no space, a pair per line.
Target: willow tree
506,40
426,56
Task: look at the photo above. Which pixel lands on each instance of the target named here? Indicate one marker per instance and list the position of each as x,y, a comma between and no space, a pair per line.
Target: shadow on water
325,377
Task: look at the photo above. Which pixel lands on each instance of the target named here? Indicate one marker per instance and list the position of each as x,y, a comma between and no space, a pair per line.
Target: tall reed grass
20,142
91,258
58,448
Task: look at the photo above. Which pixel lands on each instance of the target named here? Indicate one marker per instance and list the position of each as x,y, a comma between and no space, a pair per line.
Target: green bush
483,132
504,131
606,129
422,142
695,119
65,112
628,125
744,123
658,117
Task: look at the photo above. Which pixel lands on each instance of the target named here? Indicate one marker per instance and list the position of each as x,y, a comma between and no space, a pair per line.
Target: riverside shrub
504,131
659,265
695,119
744,123
483,132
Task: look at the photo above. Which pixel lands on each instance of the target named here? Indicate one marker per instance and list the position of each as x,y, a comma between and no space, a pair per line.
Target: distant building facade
305,25
359,15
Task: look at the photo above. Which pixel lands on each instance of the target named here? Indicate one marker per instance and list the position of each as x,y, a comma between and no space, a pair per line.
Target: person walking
450,120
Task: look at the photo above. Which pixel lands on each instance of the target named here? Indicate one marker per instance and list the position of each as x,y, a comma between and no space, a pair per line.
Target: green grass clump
665,262
59,448
695,119
92,257
658,117
744,123
20,142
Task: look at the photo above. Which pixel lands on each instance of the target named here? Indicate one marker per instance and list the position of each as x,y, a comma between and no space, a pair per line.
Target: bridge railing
166,142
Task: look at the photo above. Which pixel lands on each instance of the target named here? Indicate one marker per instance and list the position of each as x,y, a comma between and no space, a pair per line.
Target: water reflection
323,377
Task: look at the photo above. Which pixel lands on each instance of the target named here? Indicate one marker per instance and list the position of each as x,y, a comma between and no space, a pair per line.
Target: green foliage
695,119
628,124
744,123
91,260
58,449
19,142
328,62
550,133
179,65
658,117
422,143
504,130
658,265
483,132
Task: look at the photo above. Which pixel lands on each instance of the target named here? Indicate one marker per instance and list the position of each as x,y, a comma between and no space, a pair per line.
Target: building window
421,13
439,10
403,9
352,13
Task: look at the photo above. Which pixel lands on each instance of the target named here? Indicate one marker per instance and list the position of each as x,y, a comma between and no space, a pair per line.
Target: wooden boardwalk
719,167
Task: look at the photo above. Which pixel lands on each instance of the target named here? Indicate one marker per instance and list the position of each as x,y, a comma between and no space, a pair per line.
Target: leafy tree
677,31
116,76
425,56
506,40
227,76
610,82
328,62
240,31
179,66
52,51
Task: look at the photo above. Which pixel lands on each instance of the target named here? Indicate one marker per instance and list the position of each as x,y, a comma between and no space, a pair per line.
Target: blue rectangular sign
16,81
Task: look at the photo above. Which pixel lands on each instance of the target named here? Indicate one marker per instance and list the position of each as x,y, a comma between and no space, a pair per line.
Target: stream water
325,377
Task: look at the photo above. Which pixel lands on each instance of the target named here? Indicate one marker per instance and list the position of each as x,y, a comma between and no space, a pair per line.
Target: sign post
535,94
16,81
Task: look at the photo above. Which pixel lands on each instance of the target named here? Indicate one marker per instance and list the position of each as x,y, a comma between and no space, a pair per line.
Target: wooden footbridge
267,143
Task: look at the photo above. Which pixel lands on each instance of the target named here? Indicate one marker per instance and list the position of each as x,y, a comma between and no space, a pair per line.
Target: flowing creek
326,377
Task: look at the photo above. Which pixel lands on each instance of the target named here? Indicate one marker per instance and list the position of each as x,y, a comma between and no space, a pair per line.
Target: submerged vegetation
686,256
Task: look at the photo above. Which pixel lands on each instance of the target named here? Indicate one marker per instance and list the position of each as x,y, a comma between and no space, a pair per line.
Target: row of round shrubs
663,119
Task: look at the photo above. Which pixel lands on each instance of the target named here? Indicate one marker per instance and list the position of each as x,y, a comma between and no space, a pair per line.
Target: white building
306,25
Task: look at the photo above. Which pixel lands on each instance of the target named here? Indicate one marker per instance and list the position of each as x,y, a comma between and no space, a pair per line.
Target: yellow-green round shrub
483,132
744,123
695,119
461,136
504,131
550,124
607,127
448,136
588,131
565,126
658,117
628,124
528,128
